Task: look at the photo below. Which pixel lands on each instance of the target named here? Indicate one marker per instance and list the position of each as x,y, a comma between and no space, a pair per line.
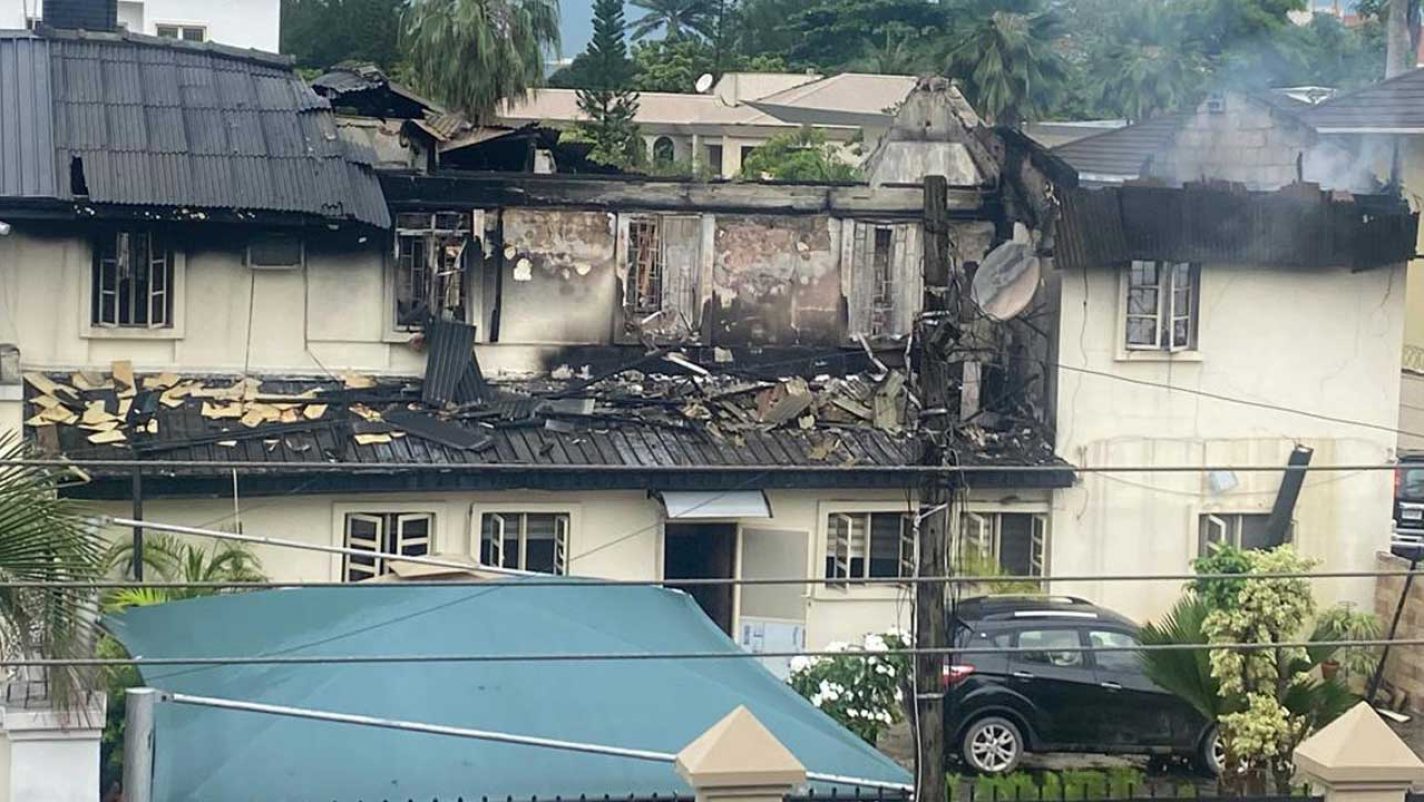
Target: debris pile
90,413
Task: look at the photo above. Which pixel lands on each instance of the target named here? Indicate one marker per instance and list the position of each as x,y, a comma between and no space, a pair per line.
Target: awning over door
698,505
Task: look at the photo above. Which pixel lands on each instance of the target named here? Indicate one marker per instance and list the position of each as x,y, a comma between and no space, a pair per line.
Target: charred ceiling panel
776,281
558,284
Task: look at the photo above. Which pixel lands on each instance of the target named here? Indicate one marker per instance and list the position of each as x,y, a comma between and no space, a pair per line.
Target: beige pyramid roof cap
1358,747
739,752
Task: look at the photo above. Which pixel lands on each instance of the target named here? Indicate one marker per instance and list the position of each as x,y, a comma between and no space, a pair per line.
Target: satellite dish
704,82
1006,281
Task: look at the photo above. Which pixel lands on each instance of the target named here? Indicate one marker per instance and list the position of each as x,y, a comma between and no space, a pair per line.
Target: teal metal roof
649,704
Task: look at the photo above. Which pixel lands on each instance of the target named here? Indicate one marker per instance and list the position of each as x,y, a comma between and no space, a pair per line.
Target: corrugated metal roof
1396,104
26,127
158,123
1122,152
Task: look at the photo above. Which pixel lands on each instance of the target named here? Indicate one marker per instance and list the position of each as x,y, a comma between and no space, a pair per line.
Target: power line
276,469
737,654
554,581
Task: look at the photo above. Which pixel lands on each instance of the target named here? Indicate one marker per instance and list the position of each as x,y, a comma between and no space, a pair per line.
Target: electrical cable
734,654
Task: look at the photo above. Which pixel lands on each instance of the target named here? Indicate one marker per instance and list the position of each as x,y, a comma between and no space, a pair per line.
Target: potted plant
1344,623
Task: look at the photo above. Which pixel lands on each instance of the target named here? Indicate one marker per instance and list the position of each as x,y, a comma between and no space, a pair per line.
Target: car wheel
1211,755
993,745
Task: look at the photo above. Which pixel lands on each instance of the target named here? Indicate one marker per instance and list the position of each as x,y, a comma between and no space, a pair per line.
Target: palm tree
676,18
1151,65
1184,673
472,54
45,538
1006,59
167,560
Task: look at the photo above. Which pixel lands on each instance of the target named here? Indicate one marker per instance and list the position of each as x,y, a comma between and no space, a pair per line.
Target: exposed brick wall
1405,669
1246,142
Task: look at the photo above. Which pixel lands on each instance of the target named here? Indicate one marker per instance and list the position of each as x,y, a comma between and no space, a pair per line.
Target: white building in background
240,23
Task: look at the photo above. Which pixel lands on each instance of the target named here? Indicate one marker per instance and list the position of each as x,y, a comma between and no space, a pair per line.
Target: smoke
1361,165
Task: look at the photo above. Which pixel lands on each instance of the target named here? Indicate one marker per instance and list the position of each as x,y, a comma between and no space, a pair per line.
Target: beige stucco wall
1320,341
614,534
330,316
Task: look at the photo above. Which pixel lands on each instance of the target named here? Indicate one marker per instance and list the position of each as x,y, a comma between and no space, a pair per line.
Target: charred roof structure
1297,226
125,125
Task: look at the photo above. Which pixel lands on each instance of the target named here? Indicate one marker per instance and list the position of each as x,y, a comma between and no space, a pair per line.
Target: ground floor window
525,541
1244,530
863,545
1014,543
407,534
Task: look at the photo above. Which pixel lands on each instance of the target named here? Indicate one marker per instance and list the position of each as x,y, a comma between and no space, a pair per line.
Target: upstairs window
431,263
407,534
525,541
187,33
132,281
869,545
644,292
883,283
1161,306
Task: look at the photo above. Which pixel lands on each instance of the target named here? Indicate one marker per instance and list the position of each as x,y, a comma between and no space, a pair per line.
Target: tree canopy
606,98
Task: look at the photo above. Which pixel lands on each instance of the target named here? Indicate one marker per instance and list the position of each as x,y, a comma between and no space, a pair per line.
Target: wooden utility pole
937,328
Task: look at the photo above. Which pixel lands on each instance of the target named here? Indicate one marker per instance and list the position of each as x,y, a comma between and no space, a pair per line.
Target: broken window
188,33
1161,313
644,291
861,545
1242,530
431,262
132,281
525,541
407,534
882,284
1012,542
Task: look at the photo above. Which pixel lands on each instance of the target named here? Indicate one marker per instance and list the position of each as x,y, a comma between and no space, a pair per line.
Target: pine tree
606,99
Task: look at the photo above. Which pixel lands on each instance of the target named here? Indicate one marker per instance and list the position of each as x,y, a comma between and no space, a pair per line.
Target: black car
1000,706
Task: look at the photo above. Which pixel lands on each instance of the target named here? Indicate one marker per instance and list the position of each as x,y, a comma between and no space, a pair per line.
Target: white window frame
982,531
1227,526
505,520
826,587
572,515
180,28
380,520
88,329
1170,277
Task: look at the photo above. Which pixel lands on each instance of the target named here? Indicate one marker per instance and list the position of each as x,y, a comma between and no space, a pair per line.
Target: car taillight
955,674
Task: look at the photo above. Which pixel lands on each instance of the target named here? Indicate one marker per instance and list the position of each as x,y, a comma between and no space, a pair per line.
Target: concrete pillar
739,760
1358,758
48,755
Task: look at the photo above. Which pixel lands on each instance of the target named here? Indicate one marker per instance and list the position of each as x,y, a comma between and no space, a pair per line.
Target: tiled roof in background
152,122
1121,152
1396,104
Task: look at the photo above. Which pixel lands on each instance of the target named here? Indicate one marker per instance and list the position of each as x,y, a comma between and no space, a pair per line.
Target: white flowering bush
862,688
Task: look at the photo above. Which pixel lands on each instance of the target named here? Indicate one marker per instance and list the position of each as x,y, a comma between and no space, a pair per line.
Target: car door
1133,713
1051,673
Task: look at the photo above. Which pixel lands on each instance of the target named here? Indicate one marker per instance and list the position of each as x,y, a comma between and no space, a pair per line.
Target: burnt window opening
432,256
882,303
78,187
644,290
132,281
1162,306
406,534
